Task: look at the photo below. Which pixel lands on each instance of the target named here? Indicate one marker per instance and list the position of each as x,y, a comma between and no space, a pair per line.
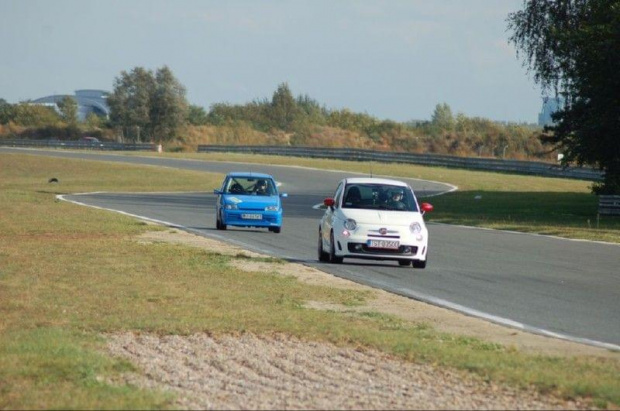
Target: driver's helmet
261,186
236,188
397,195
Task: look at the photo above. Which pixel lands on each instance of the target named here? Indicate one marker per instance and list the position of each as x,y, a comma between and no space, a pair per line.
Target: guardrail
81,145
609,204
486,164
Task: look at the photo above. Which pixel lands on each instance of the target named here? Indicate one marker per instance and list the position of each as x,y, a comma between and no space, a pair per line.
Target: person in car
236,188
395,201
261,188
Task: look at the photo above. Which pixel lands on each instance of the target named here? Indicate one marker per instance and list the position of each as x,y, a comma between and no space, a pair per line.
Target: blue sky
391,59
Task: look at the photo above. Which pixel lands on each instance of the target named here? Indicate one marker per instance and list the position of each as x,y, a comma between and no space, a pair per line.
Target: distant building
550,106
88,101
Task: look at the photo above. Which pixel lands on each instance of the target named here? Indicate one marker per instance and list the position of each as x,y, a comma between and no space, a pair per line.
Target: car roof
248,174
366,180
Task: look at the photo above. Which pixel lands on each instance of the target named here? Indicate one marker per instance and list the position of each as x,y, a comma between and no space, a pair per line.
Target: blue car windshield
379,197
250,186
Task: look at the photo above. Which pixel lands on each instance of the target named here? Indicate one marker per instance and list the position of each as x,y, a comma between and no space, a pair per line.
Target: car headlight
271,208
231,207
416,229
350,224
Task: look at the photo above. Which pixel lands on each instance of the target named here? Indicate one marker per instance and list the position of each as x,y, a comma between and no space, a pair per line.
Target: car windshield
378,197
250,186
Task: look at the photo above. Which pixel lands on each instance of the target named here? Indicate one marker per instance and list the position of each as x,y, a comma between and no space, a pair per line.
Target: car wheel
218,223
419,264
275,229
404,263
323,256
333,258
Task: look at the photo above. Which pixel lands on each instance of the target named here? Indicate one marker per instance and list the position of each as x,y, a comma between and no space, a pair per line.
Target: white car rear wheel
323,256
333,258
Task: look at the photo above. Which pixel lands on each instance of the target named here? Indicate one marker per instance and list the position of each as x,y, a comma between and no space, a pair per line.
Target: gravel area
280,372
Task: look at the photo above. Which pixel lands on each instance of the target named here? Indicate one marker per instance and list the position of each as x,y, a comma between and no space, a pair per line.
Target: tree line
148,105
571,47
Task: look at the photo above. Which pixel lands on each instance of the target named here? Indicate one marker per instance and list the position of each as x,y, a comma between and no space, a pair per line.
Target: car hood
245,202
382,217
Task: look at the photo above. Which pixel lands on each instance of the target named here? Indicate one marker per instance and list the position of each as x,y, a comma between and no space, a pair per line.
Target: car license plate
383,244
252,216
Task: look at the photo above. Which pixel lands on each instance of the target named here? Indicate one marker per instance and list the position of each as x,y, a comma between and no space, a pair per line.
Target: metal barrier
486,164
609,204
80,145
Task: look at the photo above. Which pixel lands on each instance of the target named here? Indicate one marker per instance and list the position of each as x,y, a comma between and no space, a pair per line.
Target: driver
261,187
396,200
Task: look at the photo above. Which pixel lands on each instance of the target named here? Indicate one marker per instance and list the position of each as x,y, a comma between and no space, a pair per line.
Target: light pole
504,151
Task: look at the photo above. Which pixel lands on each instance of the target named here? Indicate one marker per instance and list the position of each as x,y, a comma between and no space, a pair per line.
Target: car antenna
370,168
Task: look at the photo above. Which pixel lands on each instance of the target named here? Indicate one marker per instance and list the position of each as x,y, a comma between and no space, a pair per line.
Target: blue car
249,200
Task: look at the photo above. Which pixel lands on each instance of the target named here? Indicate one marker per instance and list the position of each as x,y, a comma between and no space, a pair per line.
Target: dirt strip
280,372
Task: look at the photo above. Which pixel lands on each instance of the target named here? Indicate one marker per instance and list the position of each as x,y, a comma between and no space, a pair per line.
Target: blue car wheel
218,223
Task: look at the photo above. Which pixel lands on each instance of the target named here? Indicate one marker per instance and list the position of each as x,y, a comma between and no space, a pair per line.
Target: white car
374,218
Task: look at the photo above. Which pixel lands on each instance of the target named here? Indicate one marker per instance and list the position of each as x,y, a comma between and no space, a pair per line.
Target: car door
220,198
330,215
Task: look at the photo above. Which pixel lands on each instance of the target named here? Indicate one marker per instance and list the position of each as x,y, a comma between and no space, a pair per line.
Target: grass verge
69,274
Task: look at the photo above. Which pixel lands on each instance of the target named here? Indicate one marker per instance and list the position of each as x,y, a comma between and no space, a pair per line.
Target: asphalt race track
565,288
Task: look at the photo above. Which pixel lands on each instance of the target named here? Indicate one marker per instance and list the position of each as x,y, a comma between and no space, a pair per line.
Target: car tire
404,263
419,263
333,258
218,223
323,256
276,230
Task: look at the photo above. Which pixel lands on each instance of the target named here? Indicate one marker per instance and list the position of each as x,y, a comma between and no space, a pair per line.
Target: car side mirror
216,191
284,195
426,207
329,202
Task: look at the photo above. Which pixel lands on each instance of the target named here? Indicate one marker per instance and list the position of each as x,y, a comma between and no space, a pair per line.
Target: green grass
69,274
54,368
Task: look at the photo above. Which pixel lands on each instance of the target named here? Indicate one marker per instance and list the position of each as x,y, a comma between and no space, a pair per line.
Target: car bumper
356,245
242,218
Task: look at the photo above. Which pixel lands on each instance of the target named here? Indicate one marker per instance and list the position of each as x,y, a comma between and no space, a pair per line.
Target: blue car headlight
271,208
231,207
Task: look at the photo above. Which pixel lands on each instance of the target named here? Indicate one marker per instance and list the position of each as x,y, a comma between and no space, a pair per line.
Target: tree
148,106
284,110
68,109
6,111
197,116
130,103
442,117
34,115
168,111
93,121
573,49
